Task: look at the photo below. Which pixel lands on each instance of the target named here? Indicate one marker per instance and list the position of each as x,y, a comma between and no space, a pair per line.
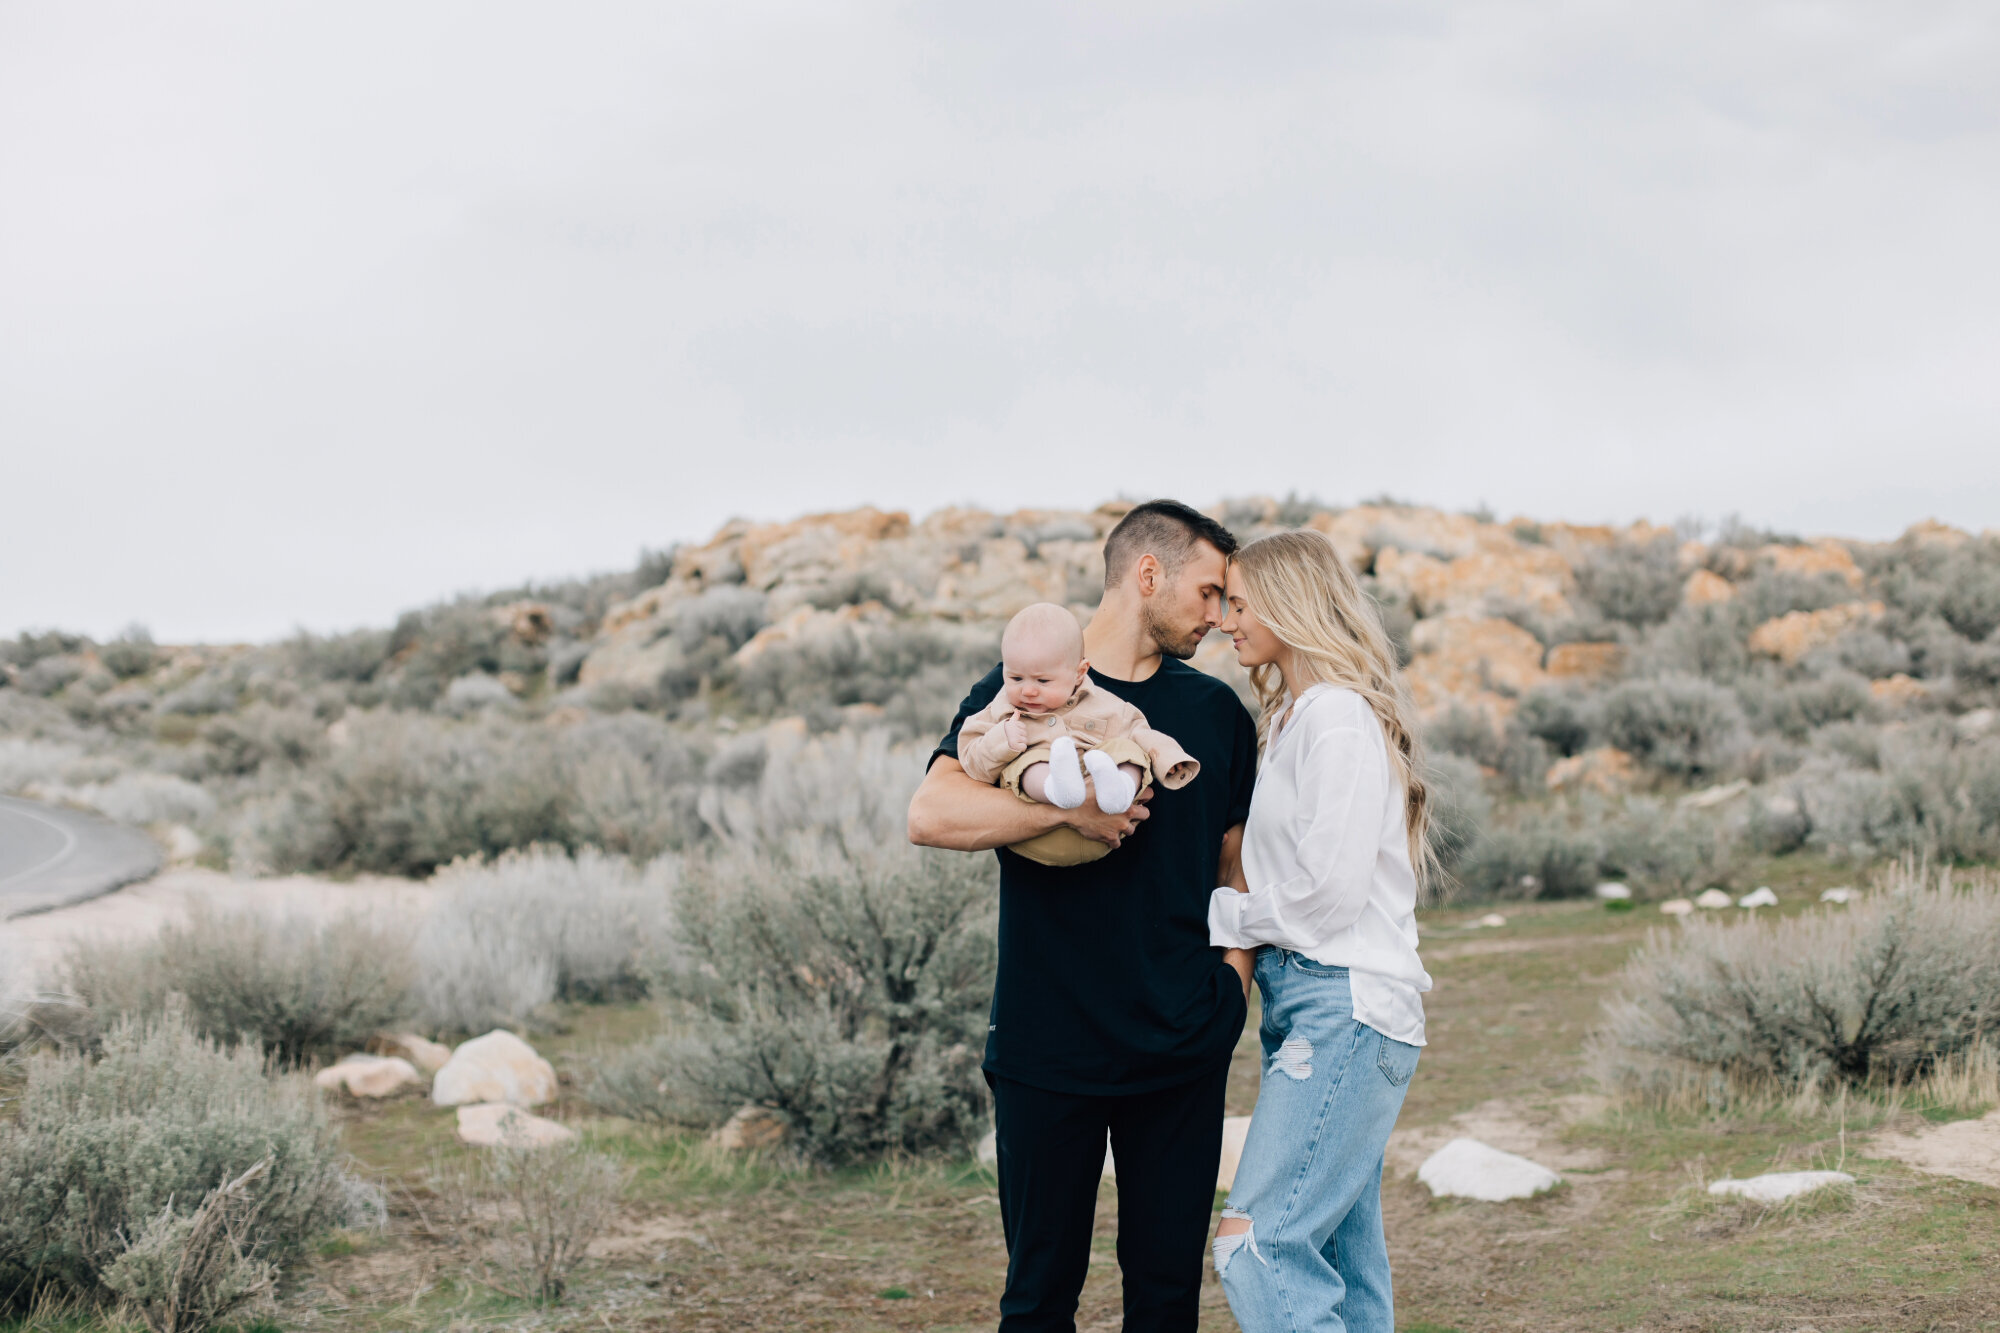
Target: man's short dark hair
1168,531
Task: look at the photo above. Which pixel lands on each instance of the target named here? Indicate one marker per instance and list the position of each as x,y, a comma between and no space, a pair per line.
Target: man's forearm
952,811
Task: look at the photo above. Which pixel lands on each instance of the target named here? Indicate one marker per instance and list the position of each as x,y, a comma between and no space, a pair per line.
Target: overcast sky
313,312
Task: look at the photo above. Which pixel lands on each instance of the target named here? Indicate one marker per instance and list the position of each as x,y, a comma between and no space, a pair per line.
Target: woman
1334,854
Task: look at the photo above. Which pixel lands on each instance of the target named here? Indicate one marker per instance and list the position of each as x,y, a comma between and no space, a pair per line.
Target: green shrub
1460,807
1538,854
99,1148
551,1203
844,986
1665,849
1681,725
1930,796
1882,989
1637,583
184,1273
300,989
130,654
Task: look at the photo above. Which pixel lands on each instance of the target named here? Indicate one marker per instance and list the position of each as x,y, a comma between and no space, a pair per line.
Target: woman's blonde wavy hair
1300,587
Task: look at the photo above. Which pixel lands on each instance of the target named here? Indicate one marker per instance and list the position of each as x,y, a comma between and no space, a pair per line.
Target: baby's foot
1066,790
1114,790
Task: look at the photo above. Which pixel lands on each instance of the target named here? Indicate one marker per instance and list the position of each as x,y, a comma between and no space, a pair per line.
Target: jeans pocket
1397,1061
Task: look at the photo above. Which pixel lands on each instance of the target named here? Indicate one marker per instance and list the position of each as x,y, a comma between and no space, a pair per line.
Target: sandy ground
141,909
1964,1149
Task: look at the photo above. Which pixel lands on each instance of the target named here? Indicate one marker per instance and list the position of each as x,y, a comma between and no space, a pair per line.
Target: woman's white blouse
1327,859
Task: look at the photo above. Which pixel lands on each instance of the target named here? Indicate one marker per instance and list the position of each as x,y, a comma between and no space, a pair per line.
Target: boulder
1614,893
1677,907
369,1076
1528,576
1710,900
1825,556
1586,661
1705,588
1897,691
1791,636
429,1056
498,1124
1235,1129
752,1128
1758,897
1710,797
1479,661
1606,769
1469,1169
1777,1186
1842,894
1491,921
1930,532
498,1067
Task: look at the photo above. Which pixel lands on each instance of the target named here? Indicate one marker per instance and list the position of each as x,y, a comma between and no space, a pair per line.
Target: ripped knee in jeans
1237,1232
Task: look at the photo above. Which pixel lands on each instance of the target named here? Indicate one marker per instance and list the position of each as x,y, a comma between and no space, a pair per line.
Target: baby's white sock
1065,784
1114,790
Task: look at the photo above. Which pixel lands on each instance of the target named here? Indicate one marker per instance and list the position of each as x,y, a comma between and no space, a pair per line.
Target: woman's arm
952,811
1342,786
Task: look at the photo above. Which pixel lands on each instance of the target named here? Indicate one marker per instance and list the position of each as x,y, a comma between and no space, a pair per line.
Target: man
1111,1011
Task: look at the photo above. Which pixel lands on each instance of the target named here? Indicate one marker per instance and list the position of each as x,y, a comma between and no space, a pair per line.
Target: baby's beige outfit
1097,720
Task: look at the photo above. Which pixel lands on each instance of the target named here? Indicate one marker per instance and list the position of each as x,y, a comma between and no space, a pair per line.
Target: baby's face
1039,679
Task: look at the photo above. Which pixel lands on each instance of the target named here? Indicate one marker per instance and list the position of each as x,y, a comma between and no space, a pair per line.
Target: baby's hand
1017,733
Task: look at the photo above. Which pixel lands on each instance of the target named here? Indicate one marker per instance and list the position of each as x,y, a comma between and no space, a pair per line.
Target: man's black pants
1167,1145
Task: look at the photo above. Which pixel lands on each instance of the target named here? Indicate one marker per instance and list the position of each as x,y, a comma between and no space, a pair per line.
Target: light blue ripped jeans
1310,1182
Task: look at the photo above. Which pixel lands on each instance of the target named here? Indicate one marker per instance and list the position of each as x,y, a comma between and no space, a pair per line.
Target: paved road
52,857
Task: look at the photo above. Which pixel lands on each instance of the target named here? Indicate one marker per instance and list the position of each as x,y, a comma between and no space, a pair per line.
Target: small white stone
1840,895
1710,899
1491,919
1613,893
1777,1186
1758,897
1469,1169
497,1124
1677,907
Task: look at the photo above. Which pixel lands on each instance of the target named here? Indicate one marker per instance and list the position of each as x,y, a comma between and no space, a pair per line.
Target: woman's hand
1245,962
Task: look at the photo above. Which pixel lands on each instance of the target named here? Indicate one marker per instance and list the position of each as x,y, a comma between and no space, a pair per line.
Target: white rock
1710,899
1778,1186
1491,919
1235,1128
429,1056
1613,893
1677,907
1977,723
183,844
498,1067
1469,1169
496,1124
1839,895
1709,797
369,1076
1758,897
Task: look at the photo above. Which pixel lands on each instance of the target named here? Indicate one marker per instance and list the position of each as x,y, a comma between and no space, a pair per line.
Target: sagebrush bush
301,989
844,985
1664,849
1926,794
1637,583
1536,854
552,1202
185,1273
99,1148
1681,725
1882,989
1460,808
535,925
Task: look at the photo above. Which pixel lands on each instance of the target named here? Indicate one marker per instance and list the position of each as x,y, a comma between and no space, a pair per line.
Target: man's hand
1017,734
1110,830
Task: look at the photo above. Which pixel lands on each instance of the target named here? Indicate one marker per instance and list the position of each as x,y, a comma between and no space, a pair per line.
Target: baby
1049,714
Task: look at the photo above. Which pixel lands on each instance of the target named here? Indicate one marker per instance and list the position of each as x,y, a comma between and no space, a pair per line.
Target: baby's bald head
1041,655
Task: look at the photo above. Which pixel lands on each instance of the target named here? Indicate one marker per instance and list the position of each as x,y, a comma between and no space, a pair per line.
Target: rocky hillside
1576,681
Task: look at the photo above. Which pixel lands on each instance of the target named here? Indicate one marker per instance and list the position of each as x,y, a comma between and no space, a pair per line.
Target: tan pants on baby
1065,846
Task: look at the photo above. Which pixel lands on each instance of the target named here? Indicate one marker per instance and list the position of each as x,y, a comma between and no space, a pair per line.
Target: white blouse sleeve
1337,821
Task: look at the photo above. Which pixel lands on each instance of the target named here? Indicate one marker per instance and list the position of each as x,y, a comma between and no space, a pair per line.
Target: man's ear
1146,574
